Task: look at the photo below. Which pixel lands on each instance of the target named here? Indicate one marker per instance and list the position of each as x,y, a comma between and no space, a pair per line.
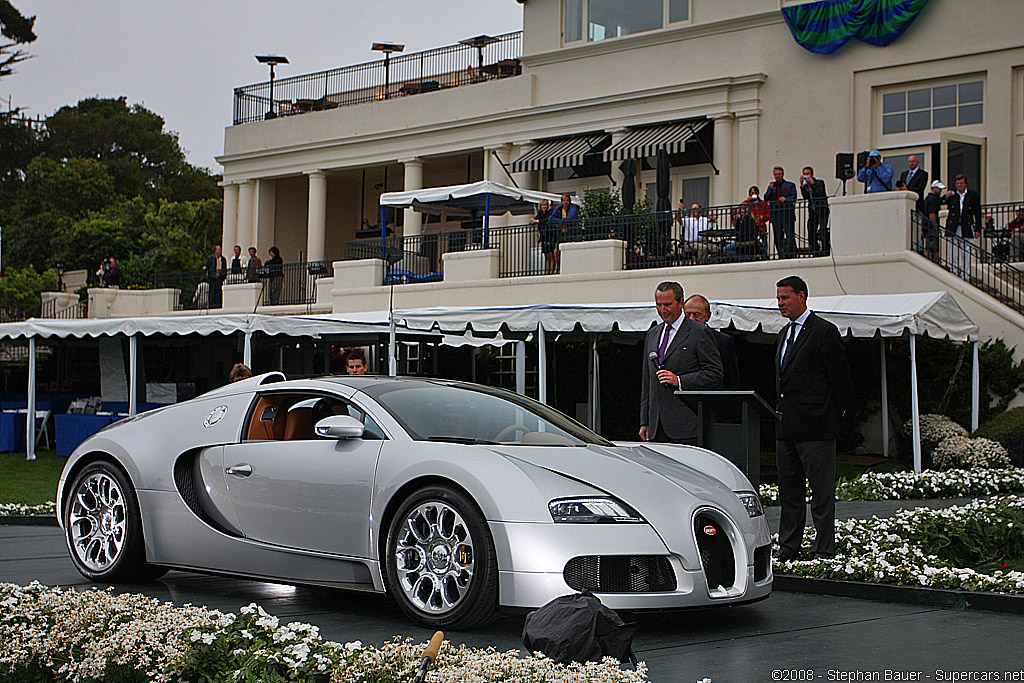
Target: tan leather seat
299,424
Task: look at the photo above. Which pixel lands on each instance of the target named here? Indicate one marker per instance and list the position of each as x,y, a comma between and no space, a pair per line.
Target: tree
15,27
20,288
130,142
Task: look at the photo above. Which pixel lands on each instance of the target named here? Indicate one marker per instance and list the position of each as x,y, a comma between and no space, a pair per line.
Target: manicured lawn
851,472
30,482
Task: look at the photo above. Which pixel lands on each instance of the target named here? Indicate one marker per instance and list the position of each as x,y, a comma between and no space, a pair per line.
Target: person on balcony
566,220
747,243
962,222
933,202
275,276
252,268
1016,230
875,174
813,190
548,237
692,233
216,270
236,266
781,198
916,180
759,212
201,298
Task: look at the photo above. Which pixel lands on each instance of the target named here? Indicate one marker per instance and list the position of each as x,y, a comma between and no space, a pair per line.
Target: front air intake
620,574
716,555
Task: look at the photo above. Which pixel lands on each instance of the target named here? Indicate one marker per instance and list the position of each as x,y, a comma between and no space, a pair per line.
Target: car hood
663,490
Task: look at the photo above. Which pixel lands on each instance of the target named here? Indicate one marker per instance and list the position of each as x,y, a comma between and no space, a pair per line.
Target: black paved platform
782,638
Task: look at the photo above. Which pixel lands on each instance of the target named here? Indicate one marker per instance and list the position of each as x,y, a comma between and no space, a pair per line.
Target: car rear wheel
440,560
104,528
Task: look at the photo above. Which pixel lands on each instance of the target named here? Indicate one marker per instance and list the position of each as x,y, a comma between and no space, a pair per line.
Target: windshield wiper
461,439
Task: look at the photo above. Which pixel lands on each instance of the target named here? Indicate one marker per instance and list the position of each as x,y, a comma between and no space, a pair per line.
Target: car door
298,490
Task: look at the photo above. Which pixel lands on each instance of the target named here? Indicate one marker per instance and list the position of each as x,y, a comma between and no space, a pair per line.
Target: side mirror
339,427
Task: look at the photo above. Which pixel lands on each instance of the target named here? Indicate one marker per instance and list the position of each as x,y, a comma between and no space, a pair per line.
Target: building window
614,18
946,106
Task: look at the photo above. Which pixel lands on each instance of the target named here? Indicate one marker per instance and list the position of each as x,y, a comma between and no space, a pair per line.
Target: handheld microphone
653,357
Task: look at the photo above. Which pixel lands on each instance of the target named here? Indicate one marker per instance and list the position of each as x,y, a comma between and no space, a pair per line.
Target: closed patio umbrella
663,202
628,168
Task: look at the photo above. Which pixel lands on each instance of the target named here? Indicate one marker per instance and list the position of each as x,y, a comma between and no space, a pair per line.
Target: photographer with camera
875,174
109,274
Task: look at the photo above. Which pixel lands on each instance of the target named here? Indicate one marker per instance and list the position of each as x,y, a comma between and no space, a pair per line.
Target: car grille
715,552
620,573
762,561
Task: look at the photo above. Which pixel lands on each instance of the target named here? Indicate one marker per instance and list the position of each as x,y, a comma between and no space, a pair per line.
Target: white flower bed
914,486
95,635
899,549
19,509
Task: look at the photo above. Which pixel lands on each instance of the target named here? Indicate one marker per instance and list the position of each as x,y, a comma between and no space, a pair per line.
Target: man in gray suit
678,354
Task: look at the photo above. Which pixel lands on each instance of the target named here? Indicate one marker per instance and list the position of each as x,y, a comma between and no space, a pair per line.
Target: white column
133,374
915,410
266,216
316,230
247,350
30,403
542,365
246,198
747,142
885,400
723,191
521,368
617,175
229,232
412,221
975,389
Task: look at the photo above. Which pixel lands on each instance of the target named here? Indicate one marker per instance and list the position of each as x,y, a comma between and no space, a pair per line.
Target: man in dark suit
916,180
812,376
678,354
963,221
698,308
781,198
216,271
813,190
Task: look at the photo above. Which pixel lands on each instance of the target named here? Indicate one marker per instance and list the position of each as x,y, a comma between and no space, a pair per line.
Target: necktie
789,344
664,344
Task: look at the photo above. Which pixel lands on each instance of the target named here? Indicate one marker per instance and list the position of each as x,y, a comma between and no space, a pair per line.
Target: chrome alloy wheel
435,557
98,521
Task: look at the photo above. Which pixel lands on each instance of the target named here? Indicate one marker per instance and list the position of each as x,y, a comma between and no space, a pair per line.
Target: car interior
291,417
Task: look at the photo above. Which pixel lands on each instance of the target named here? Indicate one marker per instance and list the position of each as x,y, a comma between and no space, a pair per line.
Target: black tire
457,584
103,527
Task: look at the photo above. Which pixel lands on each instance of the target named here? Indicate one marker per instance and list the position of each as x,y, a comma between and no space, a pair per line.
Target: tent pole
133,374
542,365
590,387
915,409
885,399
392,349
30,403
595,397
247,350
975,389
521,368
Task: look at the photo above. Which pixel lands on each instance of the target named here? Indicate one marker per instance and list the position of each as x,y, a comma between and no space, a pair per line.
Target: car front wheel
440,560
104,527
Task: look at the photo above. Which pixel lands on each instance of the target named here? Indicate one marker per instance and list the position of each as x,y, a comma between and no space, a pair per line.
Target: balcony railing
718,234
1004,227
74,311
280,285
974,264
419,72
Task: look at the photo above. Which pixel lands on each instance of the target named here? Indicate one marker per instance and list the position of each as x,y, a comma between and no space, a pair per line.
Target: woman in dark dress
548,236
275,275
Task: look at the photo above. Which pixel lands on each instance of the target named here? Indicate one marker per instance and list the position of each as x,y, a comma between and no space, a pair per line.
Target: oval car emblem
710,530
215,416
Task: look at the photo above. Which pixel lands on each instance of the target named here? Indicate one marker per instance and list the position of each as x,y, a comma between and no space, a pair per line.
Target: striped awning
560,152
645,142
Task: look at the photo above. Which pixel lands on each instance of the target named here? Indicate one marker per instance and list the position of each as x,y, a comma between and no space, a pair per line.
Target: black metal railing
419,72
49,309
969,262
1003,234
281,284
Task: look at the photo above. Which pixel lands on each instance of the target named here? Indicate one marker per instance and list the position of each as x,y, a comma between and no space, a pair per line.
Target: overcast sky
183,58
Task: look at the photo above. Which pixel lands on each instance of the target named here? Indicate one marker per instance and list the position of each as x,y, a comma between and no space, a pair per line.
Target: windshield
469,413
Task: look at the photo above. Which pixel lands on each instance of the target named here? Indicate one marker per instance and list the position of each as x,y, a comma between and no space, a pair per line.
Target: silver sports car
455,498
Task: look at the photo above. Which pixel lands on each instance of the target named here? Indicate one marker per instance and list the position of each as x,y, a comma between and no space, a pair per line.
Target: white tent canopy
935,314
473,199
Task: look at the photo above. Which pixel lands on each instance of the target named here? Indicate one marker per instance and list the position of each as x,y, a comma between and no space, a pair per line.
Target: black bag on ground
578,628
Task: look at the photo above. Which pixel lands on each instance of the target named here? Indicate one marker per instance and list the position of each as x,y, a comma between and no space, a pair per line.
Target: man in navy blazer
566,220
812,376
678,354
781,198
963,221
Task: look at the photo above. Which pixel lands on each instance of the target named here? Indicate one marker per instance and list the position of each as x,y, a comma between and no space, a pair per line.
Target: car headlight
752,502
592,511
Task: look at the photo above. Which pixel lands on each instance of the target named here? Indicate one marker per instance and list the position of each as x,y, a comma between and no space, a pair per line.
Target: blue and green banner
825,26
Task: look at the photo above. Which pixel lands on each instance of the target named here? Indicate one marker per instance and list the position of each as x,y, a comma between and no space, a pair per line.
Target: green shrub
1003,427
